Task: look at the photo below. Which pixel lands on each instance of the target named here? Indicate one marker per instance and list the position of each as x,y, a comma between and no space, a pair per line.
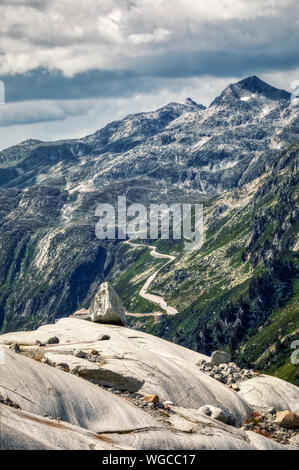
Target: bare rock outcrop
135,391
107,307
267,391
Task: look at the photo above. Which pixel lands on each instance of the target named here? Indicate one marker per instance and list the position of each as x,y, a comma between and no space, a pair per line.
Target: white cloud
41,111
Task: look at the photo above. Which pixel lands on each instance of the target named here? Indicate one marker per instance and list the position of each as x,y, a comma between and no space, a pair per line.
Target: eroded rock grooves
131,391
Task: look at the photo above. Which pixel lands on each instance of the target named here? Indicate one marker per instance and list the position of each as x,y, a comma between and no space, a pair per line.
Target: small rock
79,353
151,398
39,343
230,380
287,419
235,387
219,377
15,347
103,337
63,366
201,362
271,410
53,340
220,357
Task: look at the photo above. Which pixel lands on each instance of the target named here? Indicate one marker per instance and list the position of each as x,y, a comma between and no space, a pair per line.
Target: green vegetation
240,291
129,283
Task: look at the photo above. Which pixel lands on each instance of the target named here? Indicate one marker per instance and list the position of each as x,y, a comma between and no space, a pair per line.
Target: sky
70,66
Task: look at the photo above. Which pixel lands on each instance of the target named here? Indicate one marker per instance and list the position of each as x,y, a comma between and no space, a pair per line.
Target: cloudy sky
71,66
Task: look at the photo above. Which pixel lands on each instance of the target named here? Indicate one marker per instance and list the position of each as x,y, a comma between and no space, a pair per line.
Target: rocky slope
130,390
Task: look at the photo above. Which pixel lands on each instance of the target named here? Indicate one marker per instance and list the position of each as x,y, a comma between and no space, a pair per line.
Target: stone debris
227,373
264,422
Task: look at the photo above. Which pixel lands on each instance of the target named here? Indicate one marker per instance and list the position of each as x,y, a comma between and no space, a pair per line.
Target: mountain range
239,157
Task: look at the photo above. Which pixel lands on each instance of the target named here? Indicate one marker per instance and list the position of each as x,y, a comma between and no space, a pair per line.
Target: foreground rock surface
107,307
268,391
98,396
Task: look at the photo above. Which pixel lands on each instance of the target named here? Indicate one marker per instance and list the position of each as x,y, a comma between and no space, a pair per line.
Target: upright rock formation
107,307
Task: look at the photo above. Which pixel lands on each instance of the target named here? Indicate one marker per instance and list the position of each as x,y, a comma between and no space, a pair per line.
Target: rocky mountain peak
250,87
254,84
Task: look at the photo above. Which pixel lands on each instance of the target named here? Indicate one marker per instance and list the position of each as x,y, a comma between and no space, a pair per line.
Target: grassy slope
239,291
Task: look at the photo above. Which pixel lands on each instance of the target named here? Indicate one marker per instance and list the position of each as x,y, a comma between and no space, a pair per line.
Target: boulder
287,419
107,306
217,413
268,391
220,357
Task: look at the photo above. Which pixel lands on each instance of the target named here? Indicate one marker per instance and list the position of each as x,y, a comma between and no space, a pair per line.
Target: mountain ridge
52,263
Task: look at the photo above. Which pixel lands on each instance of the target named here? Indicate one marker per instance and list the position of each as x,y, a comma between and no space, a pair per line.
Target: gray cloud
74,37
41,111
75,50
75,56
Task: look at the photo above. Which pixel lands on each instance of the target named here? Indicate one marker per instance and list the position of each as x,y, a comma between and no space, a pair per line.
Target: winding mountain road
156,299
